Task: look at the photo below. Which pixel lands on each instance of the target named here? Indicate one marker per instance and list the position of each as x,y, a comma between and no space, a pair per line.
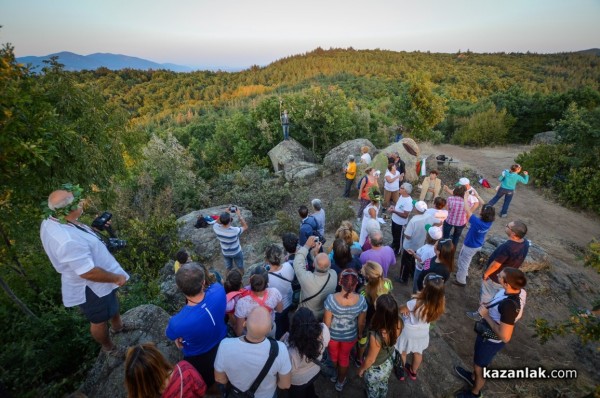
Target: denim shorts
485,351
99,309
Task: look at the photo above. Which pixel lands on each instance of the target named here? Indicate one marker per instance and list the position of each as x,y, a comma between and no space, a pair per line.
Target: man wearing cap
350,171
229,237
400,214
414,238
90,275
317,285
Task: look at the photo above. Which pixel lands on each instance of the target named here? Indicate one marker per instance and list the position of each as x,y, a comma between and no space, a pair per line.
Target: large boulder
537,259
106,379
547,137
205,245
336,159
299,171
380,161
289,151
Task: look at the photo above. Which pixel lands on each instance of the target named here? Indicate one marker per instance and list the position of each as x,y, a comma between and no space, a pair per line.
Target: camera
112,243
233,209
316,238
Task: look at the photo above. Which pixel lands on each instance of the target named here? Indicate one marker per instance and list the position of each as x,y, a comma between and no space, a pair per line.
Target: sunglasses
432,276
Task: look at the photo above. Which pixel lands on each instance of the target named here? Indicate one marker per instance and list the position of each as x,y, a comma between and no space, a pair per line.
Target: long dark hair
341,253
386,318
304,335
446,256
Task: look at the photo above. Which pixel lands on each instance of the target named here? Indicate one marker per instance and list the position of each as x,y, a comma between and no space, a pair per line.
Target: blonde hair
146,370
345,234
364,149
376,285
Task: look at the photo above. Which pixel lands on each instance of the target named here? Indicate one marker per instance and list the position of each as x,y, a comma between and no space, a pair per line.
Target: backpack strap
280,277
261,301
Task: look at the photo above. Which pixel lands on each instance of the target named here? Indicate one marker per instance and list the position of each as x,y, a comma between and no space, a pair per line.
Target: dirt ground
552,294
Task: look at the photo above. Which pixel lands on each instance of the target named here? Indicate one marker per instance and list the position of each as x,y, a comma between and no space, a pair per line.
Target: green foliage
485,128
253,188
419,108
584,324
285,223
592,255
337,211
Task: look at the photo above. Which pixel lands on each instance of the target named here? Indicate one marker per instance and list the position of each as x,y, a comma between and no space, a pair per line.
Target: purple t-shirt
477,231
384,257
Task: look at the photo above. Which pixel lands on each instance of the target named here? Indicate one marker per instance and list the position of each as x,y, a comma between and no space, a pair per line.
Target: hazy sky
240,33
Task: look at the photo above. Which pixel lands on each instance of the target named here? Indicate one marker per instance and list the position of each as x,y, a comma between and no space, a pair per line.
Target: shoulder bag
234,392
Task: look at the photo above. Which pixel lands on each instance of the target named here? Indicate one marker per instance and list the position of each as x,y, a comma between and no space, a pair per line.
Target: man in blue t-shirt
511,253
479,227
200,326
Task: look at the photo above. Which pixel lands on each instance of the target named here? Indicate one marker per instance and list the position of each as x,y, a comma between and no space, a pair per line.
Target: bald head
258,323
59,199
322,261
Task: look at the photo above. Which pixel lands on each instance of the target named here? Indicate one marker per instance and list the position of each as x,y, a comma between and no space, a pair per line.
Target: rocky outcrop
299,171
537,258
204,241
106,379
289,151
547,137
380,161
336,159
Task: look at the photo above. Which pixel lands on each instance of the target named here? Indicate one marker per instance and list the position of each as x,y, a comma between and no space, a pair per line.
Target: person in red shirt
149,374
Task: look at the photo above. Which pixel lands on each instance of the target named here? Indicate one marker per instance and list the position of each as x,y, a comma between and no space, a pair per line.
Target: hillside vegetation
152,145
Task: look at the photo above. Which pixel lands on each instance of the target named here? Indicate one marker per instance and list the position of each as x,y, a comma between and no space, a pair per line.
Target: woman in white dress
370,214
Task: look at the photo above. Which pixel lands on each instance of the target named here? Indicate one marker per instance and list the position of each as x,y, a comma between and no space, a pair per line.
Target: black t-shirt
434,268
508,310
509,254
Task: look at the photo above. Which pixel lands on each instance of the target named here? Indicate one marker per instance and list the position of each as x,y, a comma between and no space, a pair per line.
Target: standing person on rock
350,175
285,123
90,274
229,238
509,180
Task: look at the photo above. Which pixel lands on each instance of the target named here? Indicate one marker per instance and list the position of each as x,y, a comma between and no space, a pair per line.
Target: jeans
282,322
286,132
237,258
508,195
447,228
415,279
348,187
464,260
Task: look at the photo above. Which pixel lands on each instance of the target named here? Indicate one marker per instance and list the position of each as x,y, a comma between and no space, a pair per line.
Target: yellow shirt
176,266
351,170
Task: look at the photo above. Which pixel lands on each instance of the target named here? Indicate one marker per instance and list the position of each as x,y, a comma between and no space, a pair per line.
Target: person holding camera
90,274
229,238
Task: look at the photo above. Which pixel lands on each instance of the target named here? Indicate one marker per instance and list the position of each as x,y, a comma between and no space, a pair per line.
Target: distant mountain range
76,62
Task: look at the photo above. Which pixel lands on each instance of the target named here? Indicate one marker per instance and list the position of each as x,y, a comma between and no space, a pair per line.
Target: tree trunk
16,300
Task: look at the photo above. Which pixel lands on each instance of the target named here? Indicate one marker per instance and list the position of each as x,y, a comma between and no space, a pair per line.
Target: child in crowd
426,306
425,253
234,291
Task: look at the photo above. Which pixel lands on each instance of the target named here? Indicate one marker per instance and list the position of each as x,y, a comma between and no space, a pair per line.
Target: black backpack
201,222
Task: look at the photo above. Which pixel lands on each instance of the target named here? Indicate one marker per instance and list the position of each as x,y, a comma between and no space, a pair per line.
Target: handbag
234,392
483,329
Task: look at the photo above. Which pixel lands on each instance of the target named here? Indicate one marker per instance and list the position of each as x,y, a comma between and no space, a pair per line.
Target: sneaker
467,394
333,378
474,315
503,215
464,374
457,283
340,386
357,362
411,374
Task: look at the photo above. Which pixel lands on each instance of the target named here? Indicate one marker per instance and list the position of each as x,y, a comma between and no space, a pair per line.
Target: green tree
487,127
419,108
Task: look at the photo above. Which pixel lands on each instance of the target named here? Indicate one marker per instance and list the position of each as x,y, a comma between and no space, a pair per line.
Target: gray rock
106,379
547,137
204,242
537,259
289,151
299,171
336,159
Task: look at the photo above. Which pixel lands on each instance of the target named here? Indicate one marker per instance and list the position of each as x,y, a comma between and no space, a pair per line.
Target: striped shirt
344,323
457,215
229,237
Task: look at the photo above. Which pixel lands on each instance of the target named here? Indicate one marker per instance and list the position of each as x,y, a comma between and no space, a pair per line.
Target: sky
241,33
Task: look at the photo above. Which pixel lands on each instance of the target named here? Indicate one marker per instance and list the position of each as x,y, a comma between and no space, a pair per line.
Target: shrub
339,210
487,127
285,223
592,255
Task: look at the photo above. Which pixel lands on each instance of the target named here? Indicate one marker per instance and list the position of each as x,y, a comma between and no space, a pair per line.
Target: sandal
125,328
411,374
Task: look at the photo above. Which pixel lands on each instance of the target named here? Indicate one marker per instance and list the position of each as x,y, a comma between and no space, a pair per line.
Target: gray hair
316,203
274,254
376,238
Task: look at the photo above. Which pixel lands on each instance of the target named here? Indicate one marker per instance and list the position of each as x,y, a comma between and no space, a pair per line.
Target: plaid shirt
456,211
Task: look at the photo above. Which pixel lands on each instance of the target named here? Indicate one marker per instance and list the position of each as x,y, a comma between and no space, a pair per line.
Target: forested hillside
152,145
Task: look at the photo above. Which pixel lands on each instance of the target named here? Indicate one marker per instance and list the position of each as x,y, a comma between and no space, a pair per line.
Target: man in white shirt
240,359
400,214
90,275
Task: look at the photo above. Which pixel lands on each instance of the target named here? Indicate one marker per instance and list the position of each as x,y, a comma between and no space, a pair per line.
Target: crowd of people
309,308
